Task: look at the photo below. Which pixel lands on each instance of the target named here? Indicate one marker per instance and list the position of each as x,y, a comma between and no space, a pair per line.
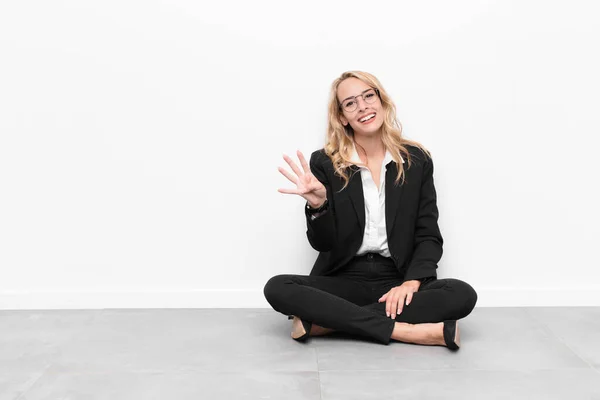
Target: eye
349,103
370,94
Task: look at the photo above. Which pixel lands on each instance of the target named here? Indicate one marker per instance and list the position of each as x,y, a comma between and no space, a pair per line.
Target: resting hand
395,297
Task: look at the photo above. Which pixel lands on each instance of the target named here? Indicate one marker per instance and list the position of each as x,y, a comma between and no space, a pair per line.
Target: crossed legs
347,305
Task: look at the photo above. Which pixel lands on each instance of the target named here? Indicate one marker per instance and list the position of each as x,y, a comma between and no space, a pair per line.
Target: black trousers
347,301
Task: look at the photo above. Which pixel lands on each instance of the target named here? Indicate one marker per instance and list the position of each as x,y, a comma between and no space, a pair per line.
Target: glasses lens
370,96
349,105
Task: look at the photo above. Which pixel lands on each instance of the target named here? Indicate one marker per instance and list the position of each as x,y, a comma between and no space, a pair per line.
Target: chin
373,131
366,134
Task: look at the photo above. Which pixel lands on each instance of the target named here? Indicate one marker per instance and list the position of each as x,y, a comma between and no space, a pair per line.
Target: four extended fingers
303,162
297,171
293,165
288,175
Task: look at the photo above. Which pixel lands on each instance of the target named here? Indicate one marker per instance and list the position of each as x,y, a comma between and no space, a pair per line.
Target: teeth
368,117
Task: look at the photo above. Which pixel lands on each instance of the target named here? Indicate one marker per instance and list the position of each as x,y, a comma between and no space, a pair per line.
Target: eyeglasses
369,96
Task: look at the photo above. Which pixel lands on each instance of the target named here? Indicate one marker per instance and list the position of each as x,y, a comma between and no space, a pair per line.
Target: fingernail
387,313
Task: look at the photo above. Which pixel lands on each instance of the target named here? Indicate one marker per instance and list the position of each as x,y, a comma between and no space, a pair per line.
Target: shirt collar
386,160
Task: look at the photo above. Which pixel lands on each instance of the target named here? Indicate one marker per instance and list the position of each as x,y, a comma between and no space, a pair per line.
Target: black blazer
411,216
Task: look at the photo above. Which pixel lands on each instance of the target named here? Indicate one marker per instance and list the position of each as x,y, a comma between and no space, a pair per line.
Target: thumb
382,298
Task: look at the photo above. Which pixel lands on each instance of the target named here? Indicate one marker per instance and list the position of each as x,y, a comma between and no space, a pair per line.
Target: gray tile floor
516,353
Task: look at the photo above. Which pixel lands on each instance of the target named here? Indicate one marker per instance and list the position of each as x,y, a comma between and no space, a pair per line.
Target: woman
371,213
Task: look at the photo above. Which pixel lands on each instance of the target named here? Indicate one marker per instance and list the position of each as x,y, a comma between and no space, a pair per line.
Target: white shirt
375,234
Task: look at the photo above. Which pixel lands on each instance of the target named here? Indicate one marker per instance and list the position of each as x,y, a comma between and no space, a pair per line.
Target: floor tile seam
459,369
319,374
560,340
113,372
74,371
32,384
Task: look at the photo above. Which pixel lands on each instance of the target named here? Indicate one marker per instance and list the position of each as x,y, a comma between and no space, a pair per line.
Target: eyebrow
366,90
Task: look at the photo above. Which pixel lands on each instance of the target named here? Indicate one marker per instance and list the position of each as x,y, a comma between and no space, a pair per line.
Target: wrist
316,206
313,212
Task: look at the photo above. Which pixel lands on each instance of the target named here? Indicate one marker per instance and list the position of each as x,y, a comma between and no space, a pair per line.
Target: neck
373,146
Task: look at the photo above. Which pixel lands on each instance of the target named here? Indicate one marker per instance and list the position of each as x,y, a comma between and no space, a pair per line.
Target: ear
344,120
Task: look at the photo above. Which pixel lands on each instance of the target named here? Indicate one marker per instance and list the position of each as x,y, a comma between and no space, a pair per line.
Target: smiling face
367,118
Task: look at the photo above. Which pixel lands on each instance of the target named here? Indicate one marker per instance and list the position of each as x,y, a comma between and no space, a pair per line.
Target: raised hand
307,186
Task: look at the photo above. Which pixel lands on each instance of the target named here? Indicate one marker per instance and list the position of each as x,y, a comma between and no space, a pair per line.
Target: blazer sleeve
428,242
321,231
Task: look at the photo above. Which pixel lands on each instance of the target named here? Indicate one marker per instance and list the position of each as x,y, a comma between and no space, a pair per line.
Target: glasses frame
341,105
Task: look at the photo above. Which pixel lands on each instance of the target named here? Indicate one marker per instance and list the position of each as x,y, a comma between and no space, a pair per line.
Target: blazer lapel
355,191
393,194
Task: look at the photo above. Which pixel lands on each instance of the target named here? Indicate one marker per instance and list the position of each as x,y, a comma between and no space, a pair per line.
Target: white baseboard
539,297
487,297
21,300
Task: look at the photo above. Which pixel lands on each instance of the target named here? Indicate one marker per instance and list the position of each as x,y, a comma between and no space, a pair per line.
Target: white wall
139,143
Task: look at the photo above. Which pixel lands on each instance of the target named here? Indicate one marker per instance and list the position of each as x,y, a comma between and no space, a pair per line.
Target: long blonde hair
340,137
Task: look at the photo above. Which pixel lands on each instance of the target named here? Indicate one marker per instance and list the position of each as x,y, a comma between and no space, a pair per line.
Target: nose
362,104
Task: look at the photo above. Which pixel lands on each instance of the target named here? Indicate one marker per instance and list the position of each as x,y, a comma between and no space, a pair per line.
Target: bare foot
315,330
457,335
297,328
427,333
433,333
